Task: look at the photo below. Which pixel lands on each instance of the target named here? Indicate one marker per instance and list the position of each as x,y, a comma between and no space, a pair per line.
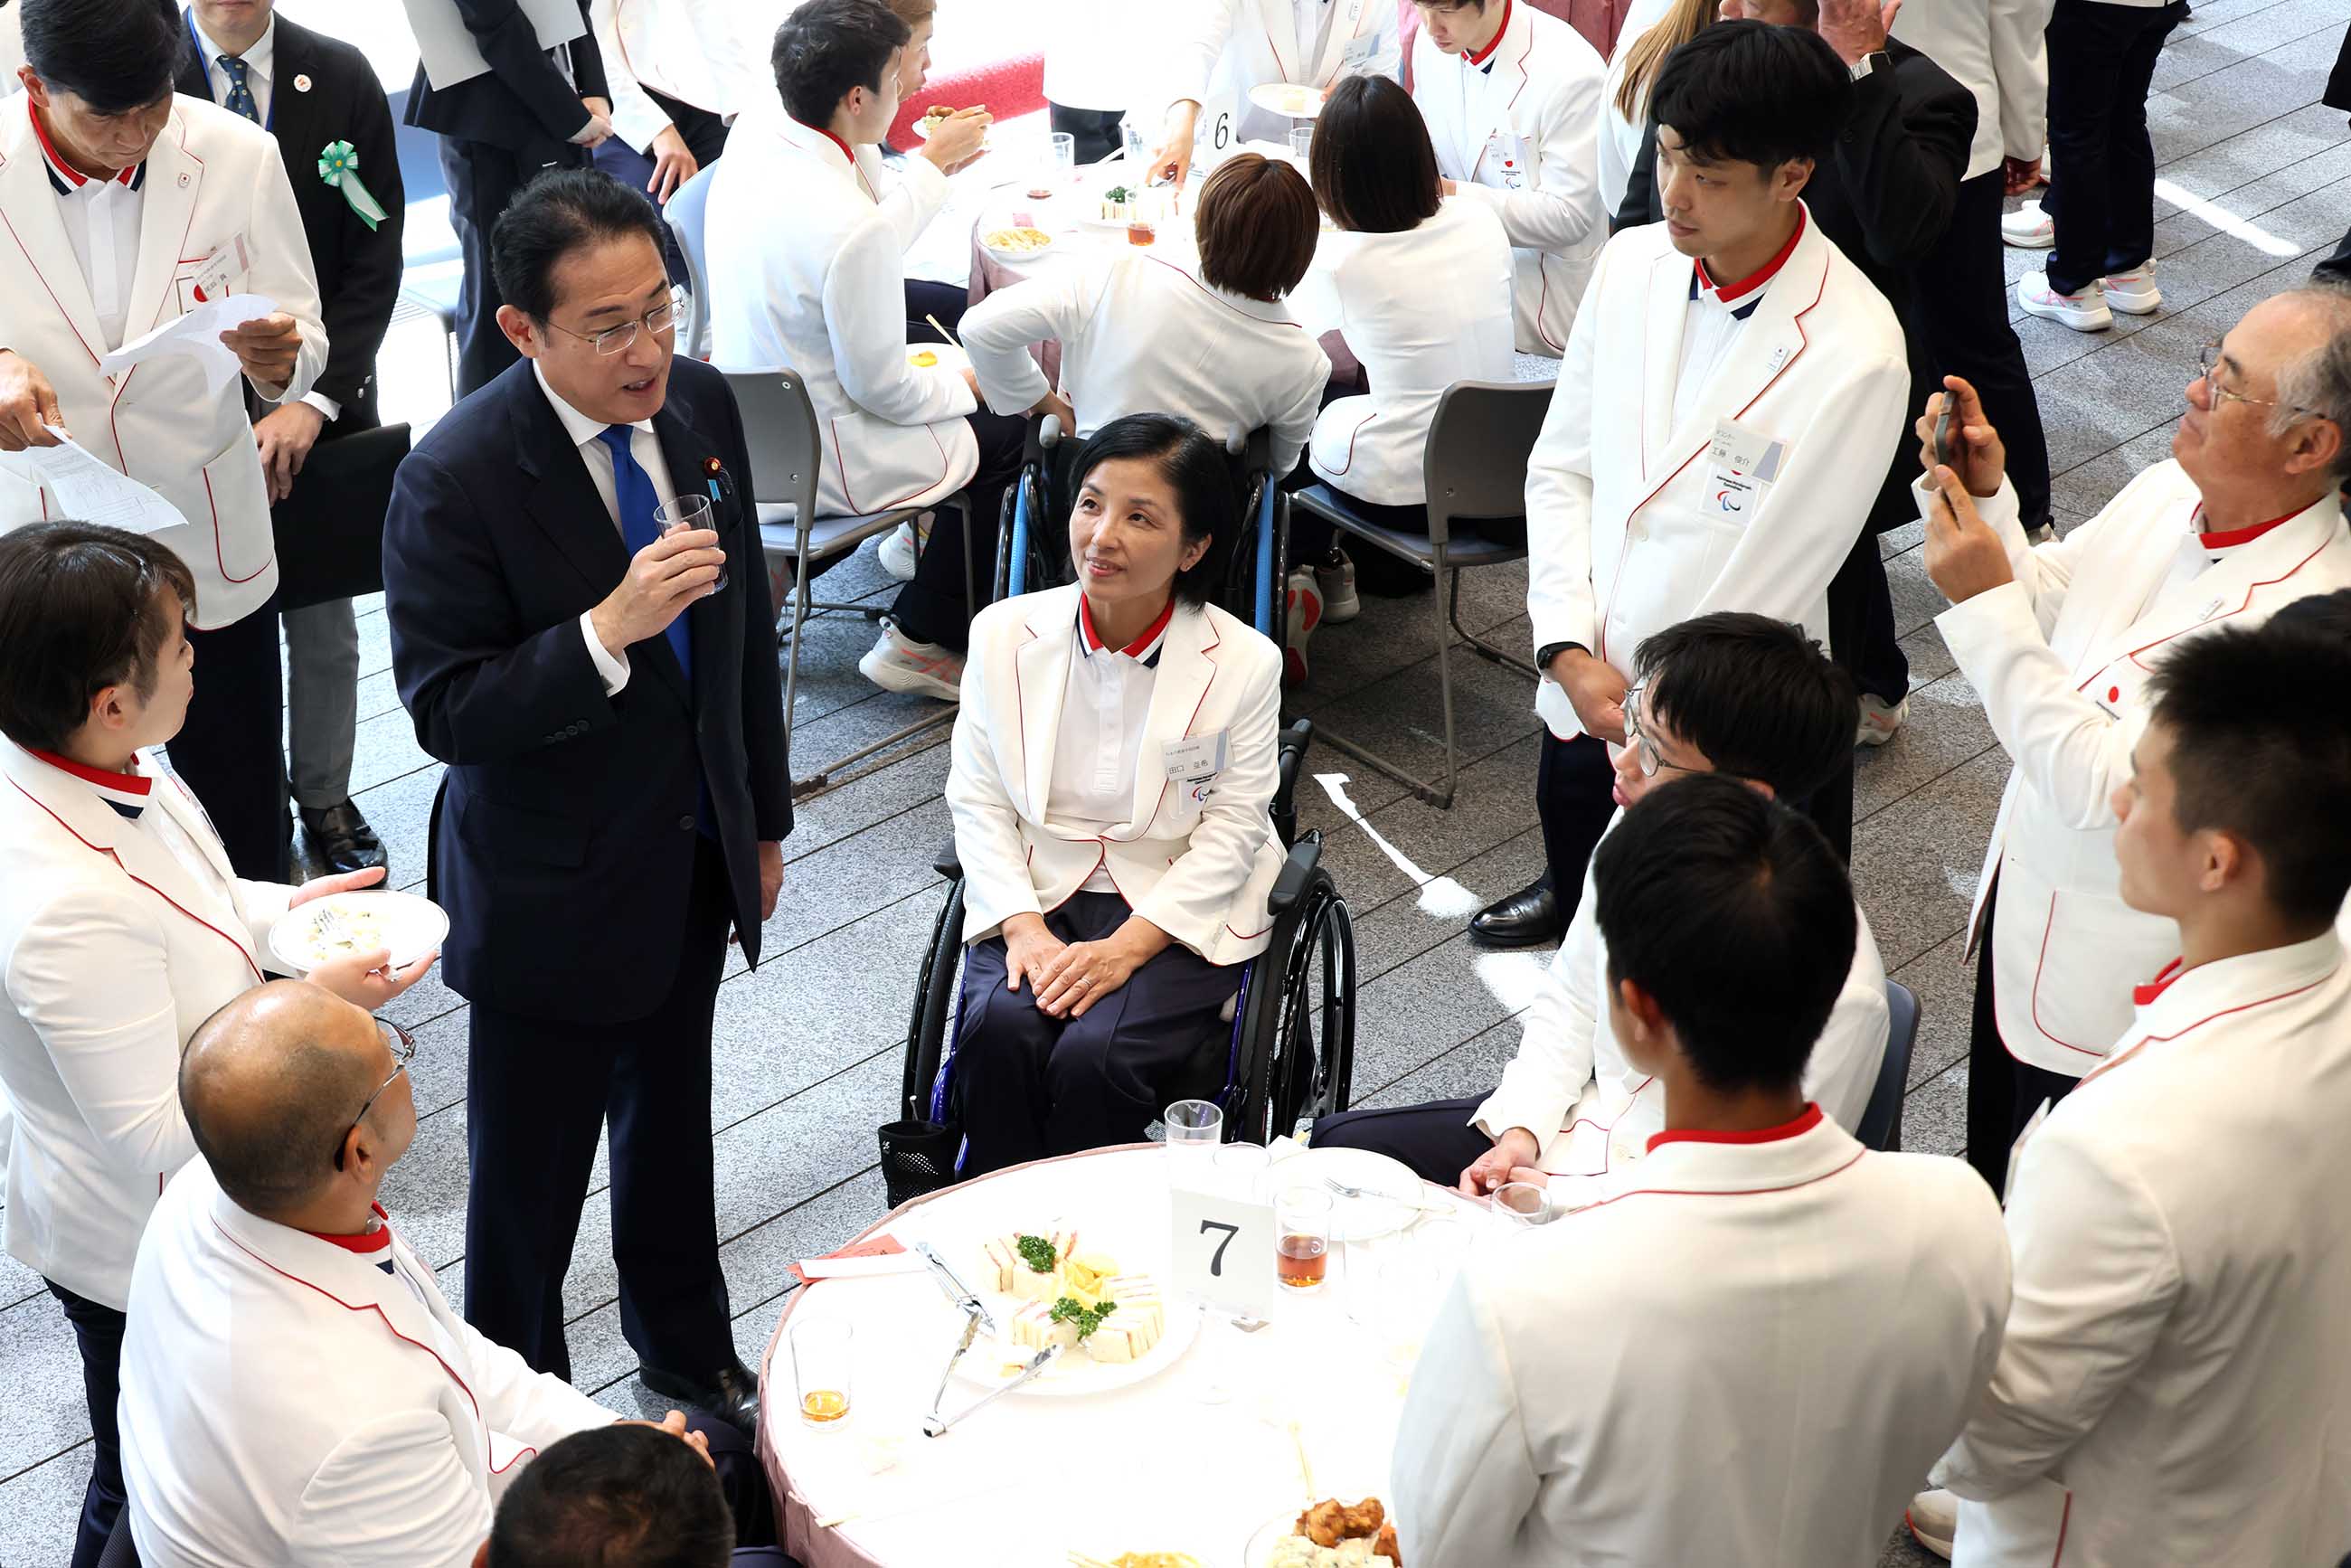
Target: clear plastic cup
822,1351
687,512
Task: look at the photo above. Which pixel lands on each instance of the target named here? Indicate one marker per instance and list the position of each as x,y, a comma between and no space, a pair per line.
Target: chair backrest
1881,1123
685,212
780,426
1476,459
119,1551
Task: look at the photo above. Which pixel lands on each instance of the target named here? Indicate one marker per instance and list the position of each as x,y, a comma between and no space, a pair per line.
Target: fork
1343,1190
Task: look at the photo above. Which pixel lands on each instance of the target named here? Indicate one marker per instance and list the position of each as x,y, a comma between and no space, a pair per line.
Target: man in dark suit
538,107
618,789
1885,197
2338,95
320,99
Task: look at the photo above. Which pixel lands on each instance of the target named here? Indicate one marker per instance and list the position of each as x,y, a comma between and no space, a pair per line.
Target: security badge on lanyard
1508,152
1194,762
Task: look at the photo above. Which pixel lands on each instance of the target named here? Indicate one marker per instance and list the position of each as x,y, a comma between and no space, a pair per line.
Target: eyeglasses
2208,367
403,1046
617,340
1651,761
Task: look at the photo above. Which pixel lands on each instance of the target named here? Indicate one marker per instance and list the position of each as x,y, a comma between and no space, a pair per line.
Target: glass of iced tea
1301,1237
821,1348
1139,231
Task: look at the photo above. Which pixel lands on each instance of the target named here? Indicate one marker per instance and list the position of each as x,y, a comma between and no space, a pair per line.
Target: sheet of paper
197,335
447,48
88,491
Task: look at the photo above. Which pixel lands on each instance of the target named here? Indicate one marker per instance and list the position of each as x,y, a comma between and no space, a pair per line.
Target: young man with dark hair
618,790
1747,1352
129,207
1741,695
2177,1360
1739,473
807,269
622,1496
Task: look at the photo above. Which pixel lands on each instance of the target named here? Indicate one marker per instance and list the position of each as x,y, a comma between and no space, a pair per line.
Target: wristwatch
1550,651
1870,62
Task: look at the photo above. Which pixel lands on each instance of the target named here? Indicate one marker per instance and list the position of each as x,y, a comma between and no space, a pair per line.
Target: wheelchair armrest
947,863
1297,871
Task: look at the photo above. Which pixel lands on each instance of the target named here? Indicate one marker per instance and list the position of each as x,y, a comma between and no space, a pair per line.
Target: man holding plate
1222,50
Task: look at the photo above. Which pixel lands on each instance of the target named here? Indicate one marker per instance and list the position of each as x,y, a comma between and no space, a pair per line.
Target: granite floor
2256,183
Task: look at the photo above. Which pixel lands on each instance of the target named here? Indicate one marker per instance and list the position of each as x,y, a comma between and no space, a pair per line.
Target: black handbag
329,531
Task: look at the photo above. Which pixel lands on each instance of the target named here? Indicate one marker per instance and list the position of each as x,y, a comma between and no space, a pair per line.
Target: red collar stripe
1482,56
1736,293
2227,538
1797,1128
2144,996
836,140
126,783
1141,645
371,1241
67,172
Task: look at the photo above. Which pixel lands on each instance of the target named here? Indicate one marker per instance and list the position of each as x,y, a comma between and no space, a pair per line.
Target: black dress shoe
731,1393
343,839
1527,918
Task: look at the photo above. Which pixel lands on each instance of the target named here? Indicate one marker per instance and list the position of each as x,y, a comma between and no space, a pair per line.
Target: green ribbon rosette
339,166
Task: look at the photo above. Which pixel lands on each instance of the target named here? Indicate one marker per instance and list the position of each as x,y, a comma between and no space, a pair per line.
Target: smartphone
1947,433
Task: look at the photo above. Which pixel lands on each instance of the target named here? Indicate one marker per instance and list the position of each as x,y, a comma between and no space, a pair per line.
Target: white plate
1259,1552
1039,253
410,925
1353,1218
1074,1372
1293,99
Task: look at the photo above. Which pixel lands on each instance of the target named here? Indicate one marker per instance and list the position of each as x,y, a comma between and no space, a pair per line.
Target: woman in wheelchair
1115,760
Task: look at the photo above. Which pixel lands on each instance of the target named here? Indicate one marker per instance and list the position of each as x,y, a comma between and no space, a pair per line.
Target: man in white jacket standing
1750,1352
2177,1360
295,1387
2059,639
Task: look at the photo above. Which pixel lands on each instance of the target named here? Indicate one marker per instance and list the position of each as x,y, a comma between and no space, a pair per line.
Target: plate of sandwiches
1327,1534
1115,1325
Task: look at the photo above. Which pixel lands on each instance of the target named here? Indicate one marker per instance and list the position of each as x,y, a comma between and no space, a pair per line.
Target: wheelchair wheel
1298,1015
935,1004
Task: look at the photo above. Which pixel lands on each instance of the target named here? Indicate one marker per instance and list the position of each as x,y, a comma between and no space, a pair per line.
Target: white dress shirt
645,447
1104,705
102,223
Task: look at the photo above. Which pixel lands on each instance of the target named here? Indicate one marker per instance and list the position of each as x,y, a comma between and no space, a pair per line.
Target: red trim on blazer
2229,538
1726,293
1482,56
1220,298
52,293
2210,1018
150,886
366,1242
836,140
129,783
2064,1523
65,171
1542,302
841,467
2142,996
1350,463
1805,1122
1607,1149
1709,1192
2133,656
1142,645
2033,1000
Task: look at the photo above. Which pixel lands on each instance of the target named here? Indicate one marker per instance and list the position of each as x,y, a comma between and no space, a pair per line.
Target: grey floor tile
1946,729
384,748
1914,864
39,1508
1471,1067
1945,982
47,1412
1404,928
1935,1115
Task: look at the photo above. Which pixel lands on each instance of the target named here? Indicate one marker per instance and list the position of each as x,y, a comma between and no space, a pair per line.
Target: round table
1153,1467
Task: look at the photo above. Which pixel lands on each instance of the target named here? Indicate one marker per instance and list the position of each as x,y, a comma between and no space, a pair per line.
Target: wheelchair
1286,1055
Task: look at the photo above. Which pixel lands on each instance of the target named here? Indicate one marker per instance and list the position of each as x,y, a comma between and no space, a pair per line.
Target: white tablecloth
1032,1478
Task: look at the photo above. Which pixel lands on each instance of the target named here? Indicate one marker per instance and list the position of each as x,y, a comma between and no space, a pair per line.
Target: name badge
1742,466
220,269
1511,148
1194,762
1359,51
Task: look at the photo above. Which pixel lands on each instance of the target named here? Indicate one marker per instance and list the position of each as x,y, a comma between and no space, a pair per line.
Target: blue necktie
632,492
240,96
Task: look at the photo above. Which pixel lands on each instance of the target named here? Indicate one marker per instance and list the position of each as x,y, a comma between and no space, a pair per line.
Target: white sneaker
1878,722
1934,1520
898,663
2028,228
2134,293
2084,312
899,549
1305,606
1335,575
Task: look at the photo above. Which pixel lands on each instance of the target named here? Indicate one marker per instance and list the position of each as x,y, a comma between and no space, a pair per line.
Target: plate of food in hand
1021,243
929,120
1115,1325
1295,100
340,925
1328,1534
1392,1193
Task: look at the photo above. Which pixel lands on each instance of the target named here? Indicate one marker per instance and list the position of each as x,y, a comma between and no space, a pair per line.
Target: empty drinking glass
687,512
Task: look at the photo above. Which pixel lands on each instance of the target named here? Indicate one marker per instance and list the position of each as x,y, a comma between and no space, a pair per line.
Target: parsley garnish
1036,1252
1088,1319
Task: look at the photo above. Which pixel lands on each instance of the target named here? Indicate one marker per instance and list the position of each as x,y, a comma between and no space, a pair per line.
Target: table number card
1222,1249
1218,136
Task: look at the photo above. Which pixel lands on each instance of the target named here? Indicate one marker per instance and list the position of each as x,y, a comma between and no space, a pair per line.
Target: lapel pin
183,182
301,84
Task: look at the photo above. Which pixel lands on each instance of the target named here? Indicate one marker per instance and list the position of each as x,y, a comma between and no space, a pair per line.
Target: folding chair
1881,1123
684,213
1476,464
780,424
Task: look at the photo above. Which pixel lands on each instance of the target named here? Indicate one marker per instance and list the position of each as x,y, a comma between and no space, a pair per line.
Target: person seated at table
1142,332
1219,51
620,1496
122,926
1113,768
1752,1351
1743,696
1419,286
295,1388
807,271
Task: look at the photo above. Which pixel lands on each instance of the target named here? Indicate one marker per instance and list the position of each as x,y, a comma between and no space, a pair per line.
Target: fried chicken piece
1324,1523
1364,1519
1386,1546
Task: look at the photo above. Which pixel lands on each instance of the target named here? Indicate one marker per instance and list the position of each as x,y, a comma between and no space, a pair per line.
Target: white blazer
712,56
1091,60
1620,135
807,271
1751,1356
1996,48
211,177
1201,873
1629,527
2061,656
1422,308
1141,334
1231,46
1571,1084
2178,1362
111,953
286,1401
1521,134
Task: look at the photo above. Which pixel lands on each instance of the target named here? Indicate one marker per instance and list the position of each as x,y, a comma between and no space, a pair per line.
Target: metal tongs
953,1288
933,1425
